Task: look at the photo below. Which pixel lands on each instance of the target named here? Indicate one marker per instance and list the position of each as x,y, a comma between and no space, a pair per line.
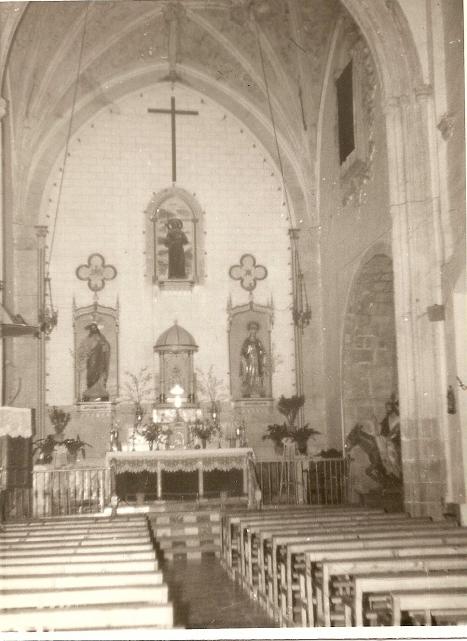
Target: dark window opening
345,113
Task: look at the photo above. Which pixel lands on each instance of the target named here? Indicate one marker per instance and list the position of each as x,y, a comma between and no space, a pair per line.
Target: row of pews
329,566
81,573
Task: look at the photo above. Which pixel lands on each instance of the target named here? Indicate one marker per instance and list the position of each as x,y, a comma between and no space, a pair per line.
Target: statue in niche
94,350
252,363
175,241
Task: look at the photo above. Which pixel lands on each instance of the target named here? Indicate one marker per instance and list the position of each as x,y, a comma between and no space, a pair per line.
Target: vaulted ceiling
252,56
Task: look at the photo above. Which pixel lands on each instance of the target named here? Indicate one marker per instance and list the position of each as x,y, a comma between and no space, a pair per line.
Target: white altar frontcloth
177,460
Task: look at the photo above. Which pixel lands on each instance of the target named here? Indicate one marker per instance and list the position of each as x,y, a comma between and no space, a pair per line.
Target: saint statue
252,363
174,241
95,351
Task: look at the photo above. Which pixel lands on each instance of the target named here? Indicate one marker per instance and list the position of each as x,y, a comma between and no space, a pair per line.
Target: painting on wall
96,353
250,351
175,219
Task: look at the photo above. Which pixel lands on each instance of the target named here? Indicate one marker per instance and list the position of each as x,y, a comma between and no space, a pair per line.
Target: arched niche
174,233
369,352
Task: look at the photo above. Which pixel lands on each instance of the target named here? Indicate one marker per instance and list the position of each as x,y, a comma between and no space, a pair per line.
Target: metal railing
304,480
63,491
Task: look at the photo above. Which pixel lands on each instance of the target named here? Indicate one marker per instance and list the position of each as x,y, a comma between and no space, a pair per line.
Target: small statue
115,444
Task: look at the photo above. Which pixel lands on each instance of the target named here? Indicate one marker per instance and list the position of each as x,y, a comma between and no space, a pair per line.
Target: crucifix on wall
173,113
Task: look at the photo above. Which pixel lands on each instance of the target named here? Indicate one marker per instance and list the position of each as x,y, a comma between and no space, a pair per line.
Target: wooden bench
102,617
231,522
108,595
331,571
65,582
443,604
81,567
373,584
79,556
43,546
286,554
306,575
265,533
251,527
257,538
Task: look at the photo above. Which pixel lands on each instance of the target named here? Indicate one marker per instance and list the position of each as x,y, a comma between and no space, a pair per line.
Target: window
345,113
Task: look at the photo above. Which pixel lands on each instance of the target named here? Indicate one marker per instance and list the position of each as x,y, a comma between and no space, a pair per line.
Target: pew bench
231,524
65,582
91,617
366,587
288,560
249,529
335,578
81,567
42,546
449,607
90,595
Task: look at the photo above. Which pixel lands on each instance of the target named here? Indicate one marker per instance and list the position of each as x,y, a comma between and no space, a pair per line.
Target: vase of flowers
290,407
59,419
205,430
155,434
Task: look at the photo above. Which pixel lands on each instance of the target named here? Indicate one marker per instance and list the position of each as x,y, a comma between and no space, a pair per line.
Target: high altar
196,464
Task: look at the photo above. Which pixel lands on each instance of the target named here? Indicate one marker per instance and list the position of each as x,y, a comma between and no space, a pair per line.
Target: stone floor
205,597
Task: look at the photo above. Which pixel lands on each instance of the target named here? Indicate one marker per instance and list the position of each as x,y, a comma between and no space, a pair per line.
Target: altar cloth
224,459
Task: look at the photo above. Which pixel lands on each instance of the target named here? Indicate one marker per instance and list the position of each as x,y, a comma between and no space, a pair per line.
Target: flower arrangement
155,433
46,448
205,430
59,419
74,446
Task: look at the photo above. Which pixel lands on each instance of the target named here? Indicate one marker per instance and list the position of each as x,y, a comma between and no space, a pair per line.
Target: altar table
158,461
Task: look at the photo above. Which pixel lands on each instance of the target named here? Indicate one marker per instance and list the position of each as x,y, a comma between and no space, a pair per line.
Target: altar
201,472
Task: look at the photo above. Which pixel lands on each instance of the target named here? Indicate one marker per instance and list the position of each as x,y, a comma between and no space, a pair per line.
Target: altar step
188,534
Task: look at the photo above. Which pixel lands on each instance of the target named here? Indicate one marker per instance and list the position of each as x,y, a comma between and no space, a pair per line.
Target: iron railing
304,480
62,491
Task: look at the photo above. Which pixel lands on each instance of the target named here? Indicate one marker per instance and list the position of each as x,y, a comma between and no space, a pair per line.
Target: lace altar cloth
15,421
224,459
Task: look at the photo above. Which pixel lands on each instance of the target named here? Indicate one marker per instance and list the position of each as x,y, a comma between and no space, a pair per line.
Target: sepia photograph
233,319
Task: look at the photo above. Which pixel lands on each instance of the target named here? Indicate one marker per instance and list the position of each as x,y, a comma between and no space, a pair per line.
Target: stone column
416,271
3,110
41,233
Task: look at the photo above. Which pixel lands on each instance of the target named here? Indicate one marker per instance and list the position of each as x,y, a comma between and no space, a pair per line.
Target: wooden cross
173,112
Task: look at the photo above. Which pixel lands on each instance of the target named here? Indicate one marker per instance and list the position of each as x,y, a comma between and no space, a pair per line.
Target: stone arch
369,355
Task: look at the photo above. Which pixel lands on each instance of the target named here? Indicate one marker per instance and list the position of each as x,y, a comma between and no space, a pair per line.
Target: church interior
233,314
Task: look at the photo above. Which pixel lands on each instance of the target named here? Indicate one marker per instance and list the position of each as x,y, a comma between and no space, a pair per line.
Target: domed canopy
175,339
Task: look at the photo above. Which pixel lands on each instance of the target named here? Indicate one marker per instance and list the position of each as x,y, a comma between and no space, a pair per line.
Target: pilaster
416,270
41,233
3,111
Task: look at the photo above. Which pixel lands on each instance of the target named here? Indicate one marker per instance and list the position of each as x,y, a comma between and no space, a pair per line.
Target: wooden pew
286,553
331,570
82,567
256,538
70,545
300,531
373,584
277,542
108,595
84,556
314,559
231,521
65,582
101,617
247,525
443,604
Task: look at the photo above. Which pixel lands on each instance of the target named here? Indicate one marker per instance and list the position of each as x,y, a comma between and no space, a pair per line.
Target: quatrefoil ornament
96,272
248,272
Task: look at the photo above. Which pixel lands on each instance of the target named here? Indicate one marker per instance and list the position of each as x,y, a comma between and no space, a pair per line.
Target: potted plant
45,447
73,447
277,433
